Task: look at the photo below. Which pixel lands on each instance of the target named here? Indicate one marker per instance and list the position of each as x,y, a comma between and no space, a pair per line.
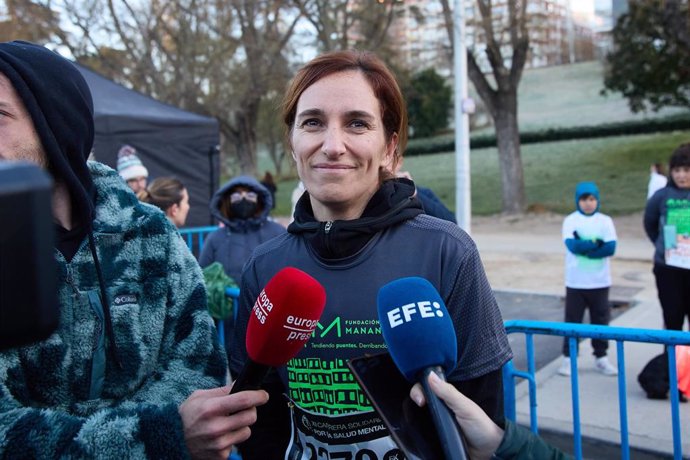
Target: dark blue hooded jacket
232,244
656,215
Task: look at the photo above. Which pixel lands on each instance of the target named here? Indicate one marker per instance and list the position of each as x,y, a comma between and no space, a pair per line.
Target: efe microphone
283,318
421,339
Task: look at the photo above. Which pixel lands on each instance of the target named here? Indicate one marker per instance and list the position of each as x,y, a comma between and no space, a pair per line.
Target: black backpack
654,377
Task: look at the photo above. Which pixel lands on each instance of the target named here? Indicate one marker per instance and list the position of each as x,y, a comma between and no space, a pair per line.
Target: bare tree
27,20
500,33
343,24
214,57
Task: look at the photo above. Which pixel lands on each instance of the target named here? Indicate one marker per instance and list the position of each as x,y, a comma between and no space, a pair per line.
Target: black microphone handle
251,376
444,419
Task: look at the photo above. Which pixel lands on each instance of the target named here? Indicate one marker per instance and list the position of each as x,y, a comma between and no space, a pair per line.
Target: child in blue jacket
590,239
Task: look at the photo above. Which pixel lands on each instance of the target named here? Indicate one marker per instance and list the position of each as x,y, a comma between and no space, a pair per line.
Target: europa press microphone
283,318
421,339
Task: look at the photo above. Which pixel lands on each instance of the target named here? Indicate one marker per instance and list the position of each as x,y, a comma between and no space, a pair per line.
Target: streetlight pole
463,202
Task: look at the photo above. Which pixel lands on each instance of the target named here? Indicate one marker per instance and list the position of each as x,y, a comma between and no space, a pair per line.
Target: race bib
357,436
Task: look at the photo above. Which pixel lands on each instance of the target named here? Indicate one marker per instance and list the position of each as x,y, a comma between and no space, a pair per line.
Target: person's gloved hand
579,246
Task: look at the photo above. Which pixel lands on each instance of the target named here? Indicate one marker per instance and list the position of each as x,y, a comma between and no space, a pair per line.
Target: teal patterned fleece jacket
65,397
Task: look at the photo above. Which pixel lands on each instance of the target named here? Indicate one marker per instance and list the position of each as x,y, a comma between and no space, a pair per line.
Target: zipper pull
69,277
328,226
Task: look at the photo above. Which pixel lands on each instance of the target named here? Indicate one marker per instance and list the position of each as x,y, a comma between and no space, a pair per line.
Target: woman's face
681,176
339,145
178,212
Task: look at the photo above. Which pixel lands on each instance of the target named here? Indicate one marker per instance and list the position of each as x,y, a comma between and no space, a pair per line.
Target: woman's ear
391,157
173,210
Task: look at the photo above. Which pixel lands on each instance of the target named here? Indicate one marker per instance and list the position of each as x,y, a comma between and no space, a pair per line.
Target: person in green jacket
485,439
134,368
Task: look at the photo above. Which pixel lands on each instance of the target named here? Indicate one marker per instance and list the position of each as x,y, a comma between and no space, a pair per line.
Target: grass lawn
569,95
619,166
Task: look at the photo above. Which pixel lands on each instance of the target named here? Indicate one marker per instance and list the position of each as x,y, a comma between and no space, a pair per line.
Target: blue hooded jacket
586,188
232,244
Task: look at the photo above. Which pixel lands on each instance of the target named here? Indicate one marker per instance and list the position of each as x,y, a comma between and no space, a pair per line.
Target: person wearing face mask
243,205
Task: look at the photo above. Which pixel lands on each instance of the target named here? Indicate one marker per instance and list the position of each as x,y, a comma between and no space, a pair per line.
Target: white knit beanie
129,165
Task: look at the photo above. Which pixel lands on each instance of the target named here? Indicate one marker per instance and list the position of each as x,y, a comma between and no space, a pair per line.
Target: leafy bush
428,103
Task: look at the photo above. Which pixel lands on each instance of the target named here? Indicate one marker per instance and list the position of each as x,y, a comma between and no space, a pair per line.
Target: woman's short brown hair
381,79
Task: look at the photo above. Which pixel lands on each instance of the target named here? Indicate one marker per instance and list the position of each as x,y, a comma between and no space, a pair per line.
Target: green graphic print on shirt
678,214
319,380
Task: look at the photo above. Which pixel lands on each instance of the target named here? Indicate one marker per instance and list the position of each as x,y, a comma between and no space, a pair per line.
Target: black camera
29,308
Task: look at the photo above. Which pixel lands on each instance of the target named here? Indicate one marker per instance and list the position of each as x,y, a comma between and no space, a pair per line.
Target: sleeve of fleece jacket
520,443
145,423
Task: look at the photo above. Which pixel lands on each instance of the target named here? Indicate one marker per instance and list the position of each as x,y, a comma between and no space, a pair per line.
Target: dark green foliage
651,62
447,143
428,103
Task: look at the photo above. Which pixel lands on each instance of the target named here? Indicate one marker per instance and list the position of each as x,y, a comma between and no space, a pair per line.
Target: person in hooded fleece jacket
134,369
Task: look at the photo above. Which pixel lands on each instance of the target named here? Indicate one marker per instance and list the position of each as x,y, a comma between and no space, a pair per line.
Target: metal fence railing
194,237
587,331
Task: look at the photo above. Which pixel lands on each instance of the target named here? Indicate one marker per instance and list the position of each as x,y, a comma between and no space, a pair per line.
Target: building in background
559,34
422,38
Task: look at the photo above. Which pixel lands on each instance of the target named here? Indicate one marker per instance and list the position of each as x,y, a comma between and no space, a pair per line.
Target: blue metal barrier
233,293
195,237
578,331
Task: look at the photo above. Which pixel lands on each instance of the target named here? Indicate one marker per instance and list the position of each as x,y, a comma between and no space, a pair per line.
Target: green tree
650,64
428,103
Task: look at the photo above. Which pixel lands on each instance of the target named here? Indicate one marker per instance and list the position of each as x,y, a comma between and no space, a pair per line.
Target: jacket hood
58,99
394,202
235,224
586,188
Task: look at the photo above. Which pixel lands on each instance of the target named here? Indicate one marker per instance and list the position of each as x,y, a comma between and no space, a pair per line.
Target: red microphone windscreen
284,316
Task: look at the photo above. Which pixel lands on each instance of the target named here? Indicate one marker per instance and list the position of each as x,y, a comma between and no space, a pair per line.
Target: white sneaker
565,367
605,367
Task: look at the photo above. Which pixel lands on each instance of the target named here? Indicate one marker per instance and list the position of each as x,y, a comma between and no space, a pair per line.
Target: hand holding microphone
421,339
482,434
283,318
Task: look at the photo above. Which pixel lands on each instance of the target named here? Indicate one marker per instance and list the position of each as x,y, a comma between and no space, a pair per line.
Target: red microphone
283,318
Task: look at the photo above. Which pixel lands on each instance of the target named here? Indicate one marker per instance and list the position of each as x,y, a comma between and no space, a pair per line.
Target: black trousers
673,288
597,300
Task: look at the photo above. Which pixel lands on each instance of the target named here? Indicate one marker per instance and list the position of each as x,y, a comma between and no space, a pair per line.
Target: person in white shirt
657,179
590,239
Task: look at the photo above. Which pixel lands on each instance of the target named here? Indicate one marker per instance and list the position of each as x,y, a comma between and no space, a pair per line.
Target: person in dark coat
243,206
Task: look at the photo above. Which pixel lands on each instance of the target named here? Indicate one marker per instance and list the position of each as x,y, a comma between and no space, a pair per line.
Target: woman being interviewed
357,228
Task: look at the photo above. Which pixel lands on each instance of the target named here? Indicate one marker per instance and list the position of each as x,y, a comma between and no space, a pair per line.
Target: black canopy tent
169,141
